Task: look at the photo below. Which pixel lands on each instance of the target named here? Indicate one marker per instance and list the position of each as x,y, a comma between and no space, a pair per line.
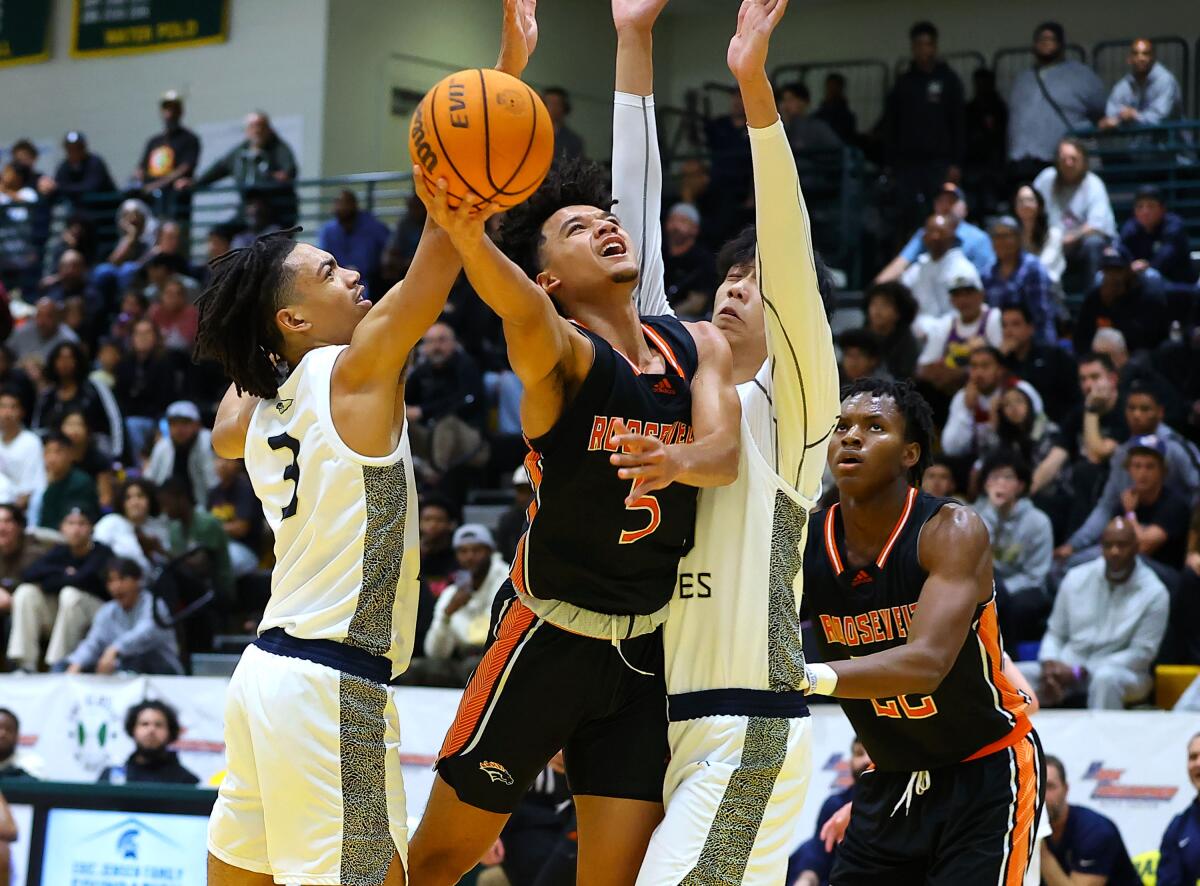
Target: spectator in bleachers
1179,856
89,455
953,337
402,245
811,864
805,131
1139,369
169,158
1082,842
986,116
73,280
125,635
1038,236
1018,278
1022,546
24,155
18,550
154,727
1148,95
190,528
68,387
970,409
455,641
1105,628
12,760
13,188
1054,97
446,403
261,160
690,269
78,233
568,144
145,386
185,453
1157,239
927,277
161,269
67,487
731,173
938,479
72,574
175,317
438,520
1122,300
513,521
862,355
1046,366
356,239
835,109
14,378
1077,202
924,126
890,310
138,232
135,530
81,174
258,214
948,202
21,461
233,503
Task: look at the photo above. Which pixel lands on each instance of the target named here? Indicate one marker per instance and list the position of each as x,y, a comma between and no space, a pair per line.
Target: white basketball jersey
734,619
346,546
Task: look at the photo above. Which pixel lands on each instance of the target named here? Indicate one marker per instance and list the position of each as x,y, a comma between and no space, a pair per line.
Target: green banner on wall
117,27
24,31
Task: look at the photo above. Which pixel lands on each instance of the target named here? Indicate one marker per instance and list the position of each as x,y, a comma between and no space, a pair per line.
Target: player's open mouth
359,298
728,311
850,458
612,246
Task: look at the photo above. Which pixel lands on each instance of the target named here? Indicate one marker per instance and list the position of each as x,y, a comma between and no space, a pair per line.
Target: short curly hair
168,712
577,182
918,417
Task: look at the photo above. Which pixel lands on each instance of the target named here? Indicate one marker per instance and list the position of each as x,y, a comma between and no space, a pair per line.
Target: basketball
486,133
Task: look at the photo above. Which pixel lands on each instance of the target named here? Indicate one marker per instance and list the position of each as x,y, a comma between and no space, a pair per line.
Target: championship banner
24,31
118,27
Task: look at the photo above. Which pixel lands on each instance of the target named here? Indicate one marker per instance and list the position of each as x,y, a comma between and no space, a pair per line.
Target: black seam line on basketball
502,188
446,154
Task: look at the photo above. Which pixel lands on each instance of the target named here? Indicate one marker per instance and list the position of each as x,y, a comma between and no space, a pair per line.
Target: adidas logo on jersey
664,386
861,579
496,772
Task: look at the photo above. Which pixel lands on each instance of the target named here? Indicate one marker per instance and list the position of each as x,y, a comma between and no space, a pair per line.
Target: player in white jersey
313,792
739,733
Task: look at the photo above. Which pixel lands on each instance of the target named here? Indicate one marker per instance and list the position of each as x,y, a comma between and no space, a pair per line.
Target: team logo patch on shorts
496,772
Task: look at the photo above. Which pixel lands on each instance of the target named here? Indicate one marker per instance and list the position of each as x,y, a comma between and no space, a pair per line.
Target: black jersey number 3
292,471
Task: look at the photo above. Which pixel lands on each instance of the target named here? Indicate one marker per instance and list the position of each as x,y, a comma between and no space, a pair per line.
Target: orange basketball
484,132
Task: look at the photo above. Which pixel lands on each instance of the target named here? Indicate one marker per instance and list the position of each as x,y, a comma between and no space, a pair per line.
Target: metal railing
867,82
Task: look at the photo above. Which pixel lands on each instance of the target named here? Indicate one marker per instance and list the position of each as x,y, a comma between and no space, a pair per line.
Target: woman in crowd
88,455
68,387
1038,236
1018,278
135,529
890,309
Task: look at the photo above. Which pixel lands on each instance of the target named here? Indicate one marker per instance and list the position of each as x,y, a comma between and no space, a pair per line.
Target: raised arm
636,165
954,547
804,372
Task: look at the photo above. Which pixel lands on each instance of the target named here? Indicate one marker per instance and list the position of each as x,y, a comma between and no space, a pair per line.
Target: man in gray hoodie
1022,546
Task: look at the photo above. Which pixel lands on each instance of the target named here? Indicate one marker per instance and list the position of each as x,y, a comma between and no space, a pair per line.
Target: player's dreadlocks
918,417
576,183
237,313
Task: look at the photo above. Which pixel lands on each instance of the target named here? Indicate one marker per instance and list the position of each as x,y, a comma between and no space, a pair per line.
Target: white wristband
822,679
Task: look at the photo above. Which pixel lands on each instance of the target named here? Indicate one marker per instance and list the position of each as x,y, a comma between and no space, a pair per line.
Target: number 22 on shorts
649,503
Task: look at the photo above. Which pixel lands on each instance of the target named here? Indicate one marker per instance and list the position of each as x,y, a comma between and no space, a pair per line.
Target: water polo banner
24,31
117,27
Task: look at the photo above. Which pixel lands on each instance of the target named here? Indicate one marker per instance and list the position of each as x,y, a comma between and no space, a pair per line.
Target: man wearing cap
185,453
690,270
1157,240
82,173
975,244
1125,301
1049,100
953,337
171,156
1148,95
1018,278
60,594
455,641
1105,628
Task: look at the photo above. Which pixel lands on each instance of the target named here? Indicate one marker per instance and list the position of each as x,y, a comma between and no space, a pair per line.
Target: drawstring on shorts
616,642
918,784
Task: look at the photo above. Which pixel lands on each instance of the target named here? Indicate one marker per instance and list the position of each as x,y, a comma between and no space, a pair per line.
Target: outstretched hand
465,223
757,20
637,15
518,36
645,460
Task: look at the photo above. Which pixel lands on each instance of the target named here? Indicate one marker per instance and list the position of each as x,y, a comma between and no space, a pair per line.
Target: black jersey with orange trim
583,545
856,612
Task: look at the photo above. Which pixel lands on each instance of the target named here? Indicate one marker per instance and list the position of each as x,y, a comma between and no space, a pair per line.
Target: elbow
928,670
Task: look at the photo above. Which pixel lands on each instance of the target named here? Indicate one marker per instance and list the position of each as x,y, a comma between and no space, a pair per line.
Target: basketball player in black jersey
899,587
575,657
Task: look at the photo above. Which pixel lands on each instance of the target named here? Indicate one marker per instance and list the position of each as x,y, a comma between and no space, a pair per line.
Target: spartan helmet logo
496,772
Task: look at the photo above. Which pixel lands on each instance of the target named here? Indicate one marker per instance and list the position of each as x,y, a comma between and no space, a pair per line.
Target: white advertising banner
1129,766
86,847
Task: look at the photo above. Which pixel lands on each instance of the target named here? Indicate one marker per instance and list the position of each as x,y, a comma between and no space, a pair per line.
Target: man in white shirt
1105,628
1077,202
952,337
927,276
21,462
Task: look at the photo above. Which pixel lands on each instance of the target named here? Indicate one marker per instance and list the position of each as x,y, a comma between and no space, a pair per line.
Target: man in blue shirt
1158,239
1179,856
975,243
811,864
355,238
1081,841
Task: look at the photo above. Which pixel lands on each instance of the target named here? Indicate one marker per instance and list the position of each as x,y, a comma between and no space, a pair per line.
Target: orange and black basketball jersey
583,545
856,612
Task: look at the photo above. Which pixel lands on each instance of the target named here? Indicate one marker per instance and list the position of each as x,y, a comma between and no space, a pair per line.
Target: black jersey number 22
292,471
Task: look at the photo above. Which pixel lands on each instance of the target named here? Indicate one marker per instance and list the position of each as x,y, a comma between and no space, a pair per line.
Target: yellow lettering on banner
177,30
133,34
